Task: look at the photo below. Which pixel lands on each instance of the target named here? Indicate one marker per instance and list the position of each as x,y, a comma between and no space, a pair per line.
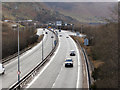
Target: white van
2,69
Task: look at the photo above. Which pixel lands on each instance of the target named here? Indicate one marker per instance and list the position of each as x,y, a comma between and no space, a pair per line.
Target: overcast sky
59,0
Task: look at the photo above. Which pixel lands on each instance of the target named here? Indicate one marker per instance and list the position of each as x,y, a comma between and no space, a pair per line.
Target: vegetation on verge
28,38
103,52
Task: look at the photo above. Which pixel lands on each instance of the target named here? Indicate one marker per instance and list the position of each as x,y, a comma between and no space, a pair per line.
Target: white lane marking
58,76
44,67
63,63
78,76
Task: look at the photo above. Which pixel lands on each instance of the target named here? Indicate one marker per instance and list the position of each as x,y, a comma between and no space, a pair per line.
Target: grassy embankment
28,38
103,52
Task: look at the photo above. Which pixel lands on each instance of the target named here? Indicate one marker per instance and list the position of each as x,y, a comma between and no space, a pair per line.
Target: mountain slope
32,10
84,11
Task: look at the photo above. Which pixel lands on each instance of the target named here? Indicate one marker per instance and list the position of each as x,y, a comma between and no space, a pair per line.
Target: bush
10,39
105,49
93,87
95,74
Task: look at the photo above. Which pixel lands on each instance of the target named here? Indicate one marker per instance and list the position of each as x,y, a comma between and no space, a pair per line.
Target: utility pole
42,47
52,39
81,28
35,25
18,56
72,27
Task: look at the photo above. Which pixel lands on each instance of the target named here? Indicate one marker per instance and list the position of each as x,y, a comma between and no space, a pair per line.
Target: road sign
59,23
86,42
77,33
29,20
55,42
49,27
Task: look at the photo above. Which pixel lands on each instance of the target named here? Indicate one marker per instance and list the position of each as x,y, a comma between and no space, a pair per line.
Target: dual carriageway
53,74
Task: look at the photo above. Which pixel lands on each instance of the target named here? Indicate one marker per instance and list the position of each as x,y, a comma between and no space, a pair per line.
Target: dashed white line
57,76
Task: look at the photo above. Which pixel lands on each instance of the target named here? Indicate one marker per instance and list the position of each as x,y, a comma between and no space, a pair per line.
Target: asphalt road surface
54,74
28,60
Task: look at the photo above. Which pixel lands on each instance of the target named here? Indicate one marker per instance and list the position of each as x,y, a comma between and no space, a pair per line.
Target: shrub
10,39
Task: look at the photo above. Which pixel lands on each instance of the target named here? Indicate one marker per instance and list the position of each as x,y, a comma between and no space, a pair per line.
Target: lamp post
81,28
35,25
42,47
72,27
18,55
18,71
52,40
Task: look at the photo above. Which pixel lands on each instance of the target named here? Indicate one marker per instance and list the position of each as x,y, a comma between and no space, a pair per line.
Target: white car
2,69
68,62
72,53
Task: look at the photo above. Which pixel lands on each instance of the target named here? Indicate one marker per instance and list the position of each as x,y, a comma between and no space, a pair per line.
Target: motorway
54,74
28,60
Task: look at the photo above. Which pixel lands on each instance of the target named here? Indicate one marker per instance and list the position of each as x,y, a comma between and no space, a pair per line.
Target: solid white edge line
86,72
44,67
78,76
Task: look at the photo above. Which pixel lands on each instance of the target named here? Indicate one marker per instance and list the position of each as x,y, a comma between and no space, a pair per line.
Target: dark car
60,35
72,53
52,37
59,30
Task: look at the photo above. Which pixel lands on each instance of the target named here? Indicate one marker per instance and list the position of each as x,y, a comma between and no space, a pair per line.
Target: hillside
32,10
84,11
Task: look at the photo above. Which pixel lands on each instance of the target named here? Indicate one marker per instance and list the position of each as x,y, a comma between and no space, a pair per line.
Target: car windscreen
69,60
